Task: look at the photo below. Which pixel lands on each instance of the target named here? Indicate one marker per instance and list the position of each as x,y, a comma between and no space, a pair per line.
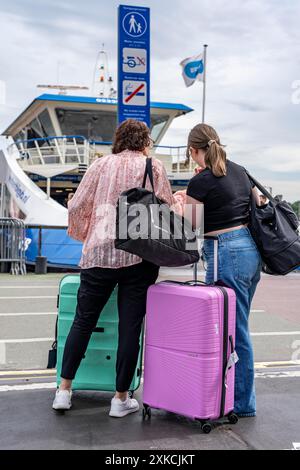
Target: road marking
16,388
26,314
52,385
26,340
37,286
277,333
31,297
263,365
14,379
277,375
27,372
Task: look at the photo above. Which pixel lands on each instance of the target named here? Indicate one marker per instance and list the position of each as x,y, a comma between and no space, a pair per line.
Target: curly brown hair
131,135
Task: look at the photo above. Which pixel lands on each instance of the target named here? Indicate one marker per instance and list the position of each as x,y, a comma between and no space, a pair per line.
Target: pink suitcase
189,351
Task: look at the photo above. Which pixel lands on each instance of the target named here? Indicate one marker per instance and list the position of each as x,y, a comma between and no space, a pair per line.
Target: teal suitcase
97,370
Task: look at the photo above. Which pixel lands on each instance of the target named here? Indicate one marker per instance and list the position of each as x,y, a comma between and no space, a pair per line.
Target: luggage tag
233,359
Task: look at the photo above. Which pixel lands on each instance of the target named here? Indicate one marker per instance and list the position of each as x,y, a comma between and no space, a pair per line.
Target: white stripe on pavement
26,340
37,286
277,333
26,314
18,373
30,297
52,385
277,375
16,388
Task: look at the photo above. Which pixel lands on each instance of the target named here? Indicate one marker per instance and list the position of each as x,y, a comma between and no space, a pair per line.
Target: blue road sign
134,63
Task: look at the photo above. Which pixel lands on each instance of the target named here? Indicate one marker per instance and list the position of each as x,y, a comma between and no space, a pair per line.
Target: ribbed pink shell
184,350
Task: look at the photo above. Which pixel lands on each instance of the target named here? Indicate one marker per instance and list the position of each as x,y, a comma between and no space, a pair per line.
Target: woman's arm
256,196
81,205
193,211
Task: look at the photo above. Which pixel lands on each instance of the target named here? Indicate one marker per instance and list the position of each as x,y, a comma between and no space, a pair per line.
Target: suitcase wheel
206,428
146,412
233,418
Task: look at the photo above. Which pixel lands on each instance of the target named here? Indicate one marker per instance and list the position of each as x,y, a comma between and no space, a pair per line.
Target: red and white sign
134,93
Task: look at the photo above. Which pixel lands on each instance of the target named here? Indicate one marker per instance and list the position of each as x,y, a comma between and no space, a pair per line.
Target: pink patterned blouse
92,210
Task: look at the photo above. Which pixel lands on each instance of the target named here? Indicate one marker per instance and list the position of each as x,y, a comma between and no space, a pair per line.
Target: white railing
73,150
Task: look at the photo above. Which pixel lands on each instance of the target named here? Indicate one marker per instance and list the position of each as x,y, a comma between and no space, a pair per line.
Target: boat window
34,131
46,123
158,122
20,135
93,125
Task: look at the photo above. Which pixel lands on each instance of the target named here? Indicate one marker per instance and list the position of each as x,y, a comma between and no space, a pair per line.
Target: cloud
253,59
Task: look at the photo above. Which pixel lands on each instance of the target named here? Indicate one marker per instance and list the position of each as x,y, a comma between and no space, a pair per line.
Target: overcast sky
253,62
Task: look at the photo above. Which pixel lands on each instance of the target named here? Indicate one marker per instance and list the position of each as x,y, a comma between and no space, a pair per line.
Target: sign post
134,64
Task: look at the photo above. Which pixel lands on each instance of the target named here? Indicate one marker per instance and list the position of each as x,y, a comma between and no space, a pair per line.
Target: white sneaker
120,408
62,400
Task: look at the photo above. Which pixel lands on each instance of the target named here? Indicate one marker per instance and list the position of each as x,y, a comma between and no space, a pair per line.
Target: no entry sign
134,64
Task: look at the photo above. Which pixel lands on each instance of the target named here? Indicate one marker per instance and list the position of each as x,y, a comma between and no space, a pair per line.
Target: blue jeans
239,267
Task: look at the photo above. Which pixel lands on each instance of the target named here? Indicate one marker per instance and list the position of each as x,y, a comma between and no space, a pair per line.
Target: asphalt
27,316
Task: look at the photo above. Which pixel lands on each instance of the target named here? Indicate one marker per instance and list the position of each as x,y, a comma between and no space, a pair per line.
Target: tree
296,208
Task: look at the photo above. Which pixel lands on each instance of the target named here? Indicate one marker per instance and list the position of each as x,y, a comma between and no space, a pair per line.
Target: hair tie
211,142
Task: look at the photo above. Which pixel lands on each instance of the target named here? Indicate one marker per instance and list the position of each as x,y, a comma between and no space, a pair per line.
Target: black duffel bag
158,234
275,229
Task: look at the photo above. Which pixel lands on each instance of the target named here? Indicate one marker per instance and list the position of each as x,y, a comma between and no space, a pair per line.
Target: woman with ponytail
225,190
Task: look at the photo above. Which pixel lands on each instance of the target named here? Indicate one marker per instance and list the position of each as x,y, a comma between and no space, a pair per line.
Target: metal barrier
13,244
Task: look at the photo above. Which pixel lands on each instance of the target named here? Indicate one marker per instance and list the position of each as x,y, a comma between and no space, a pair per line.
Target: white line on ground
16,373
277,333
33,340
15,388
25,286
30,297
52,385
277,375
26,340
26,314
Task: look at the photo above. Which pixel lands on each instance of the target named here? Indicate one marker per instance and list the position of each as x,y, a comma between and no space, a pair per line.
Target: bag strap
261,187
149,173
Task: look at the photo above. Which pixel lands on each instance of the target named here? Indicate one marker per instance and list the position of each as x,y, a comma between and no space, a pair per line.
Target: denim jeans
239,267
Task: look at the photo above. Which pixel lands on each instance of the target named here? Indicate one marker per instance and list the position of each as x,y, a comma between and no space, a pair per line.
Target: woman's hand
198,170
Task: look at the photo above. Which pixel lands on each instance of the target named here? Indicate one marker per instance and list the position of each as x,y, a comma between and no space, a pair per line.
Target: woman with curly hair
92,214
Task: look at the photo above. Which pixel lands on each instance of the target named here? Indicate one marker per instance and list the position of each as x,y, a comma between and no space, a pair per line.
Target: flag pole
203,120
204,81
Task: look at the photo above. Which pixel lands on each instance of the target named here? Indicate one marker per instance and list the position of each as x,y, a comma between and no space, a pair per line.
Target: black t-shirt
226,199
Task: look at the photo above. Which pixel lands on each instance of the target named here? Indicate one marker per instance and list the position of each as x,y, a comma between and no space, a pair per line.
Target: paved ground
27,316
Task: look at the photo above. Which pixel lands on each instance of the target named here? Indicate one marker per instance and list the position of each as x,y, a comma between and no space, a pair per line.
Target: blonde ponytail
215,159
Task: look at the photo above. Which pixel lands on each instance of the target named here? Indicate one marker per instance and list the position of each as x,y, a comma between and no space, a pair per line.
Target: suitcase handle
98,330
194,283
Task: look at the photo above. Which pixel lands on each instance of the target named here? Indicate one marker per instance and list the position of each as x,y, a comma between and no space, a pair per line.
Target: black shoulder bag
275,229
148,228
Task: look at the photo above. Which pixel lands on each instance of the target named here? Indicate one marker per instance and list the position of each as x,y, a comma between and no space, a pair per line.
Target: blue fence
55,245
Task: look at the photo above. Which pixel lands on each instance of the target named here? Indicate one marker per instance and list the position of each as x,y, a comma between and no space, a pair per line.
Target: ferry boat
46,150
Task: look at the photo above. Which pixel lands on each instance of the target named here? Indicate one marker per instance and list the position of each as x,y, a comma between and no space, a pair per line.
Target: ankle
121,396
66,385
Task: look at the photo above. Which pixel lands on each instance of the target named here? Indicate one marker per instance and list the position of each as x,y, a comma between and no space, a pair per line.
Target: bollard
41,265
